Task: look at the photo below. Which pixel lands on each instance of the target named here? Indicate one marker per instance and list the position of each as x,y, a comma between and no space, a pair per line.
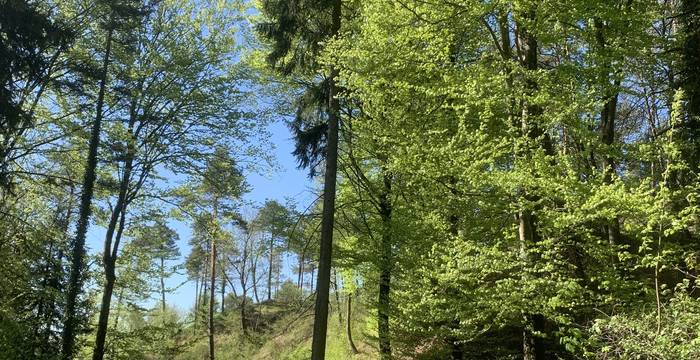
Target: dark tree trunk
110,260
300,279
533,347
385,268
353,348
244,322
337,299
101,335
318,345
690,83
111,249
75,283
223,289
607,125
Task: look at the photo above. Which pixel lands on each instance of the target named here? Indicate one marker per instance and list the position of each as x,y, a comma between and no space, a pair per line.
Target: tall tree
170,79
296,44
216,199
33,41
689,16
78,251
274,219
159,242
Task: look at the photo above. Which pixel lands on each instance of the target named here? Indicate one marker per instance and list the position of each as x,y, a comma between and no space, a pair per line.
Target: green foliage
636,335
289,294
511,174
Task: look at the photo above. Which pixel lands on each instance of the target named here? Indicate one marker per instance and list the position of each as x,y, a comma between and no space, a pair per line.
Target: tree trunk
337,299
111,249
162,284
353,348
277,276
607,125
244,288
300,280
75,283
255,279
203,290
110,260
313,271
212,280
244,323
385,268
318,345
196,302
223,289
269,274
101,335
533,348
690,83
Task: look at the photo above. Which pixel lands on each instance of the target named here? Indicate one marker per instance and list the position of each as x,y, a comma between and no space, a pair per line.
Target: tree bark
111,248
607,125
212,281
110,260
162,284
271,260
353,348
533,347
313,271
244,287
277,276
690,83
318,345
337,299
196,302
255,279
75,283
385,268
300,280
223,289
244,322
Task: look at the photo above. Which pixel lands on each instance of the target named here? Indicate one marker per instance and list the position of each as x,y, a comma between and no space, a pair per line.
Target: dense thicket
519,178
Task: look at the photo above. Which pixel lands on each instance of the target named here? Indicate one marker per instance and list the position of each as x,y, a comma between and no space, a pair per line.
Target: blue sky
286,182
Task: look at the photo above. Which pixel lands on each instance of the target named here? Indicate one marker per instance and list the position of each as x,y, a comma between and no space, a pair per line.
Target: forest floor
282,332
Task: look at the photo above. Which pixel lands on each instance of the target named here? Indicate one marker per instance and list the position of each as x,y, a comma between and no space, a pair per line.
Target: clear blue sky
287,182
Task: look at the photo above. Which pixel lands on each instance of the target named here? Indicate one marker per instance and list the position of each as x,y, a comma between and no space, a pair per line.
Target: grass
286,336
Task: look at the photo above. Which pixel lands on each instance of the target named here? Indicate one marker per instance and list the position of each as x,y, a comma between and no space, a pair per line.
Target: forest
349,179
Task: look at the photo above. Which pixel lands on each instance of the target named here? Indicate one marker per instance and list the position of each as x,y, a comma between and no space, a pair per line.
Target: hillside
283,332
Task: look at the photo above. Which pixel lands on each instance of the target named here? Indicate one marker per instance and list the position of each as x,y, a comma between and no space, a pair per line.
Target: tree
159,242
274,219
215,197
287,29
33,40
115,14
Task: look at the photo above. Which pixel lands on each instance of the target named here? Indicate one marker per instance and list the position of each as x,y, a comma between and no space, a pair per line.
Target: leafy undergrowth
280,332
